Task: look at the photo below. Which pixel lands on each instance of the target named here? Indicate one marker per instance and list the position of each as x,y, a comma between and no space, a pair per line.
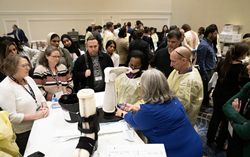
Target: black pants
216,118
205,81
22,140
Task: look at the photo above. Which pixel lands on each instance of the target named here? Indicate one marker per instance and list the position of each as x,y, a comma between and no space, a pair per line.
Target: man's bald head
183,51
180,59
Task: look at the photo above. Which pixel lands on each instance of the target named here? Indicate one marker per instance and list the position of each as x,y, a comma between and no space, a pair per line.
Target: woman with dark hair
23,50
128,89
21,98
52,77
154,36
6,48
162,118
201,32
237,110
122,46
53,40
110,50
146,37
70,46
226,87
164,33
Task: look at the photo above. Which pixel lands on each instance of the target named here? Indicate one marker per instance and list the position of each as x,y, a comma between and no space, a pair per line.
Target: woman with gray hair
162,119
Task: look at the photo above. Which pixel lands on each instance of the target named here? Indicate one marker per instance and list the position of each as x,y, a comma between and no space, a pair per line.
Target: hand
236,104
118,112
45,111
40,114
22,42
128,107
87,73
4,34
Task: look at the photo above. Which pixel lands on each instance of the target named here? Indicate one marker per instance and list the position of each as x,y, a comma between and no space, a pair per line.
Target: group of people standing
164,87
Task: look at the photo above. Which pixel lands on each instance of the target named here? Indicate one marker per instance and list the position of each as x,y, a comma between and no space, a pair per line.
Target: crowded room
112,79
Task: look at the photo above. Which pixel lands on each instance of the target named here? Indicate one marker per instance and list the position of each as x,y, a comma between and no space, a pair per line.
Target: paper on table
145,150
112,127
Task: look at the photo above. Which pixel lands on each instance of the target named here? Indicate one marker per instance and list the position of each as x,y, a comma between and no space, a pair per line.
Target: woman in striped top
51,77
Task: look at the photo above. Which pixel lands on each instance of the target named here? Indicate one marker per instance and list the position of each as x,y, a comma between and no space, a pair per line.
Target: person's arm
151,43
242,130
229,110
80,69
68,59
201,54
116,61
70,84
33,54
141,120
11,33
8,103
40,79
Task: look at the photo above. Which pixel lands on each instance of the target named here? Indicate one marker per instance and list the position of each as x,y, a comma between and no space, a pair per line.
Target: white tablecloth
45,134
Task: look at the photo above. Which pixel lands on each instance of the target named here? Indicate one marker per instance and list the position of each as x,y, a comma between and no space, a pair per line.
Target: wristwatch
122,114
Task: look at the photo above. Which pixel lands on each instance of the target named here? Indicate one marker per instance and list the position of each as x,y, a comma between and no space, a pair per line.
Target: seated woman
128,85
237,110
65,58
110,50
162,119
70,46
52,77
6,48
21,98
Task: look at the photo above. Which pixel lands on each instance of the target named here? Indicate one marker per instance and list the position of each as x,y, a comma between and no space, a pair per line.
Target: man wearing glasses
161,59
186,82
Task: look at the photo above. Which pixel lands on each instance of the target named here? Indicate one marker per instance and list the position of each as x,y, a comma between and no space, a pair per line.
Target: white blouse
17,101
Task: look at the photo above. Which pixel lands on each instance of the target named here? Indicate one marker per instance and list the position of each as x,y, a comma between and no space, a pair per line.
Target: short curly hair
11,62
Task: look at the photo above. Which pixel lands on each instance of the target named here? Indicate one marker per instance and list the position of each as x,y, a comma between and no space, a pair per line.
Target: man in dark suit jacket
139,44
89,71
19,35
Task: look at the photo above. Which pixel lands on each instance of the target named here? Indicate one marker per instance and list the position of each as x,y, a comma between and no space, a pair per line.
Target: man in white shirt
116,31
191,40
108,34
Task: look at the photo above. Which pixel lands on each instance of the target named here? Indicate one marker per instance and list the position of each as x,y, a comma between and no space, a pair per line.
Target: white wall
38,18
199,13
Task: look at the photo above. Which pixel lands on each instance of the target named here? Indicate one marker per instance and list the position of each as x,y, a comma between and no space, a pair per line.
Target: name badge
98,78
58,94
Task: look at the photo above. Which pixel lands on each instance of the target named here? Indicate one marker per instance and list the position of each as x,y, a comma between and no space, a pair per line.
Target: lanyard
31,90
96,64
56,79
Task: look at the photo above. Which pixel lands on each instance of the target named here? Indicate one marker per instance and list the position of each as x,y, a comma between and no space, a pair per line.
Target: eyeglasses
55,57
179,54
25,66
134,66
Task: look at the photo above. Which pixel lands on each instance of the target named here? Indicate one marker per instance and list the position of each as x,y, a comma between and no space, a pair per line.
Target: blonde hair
154,87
